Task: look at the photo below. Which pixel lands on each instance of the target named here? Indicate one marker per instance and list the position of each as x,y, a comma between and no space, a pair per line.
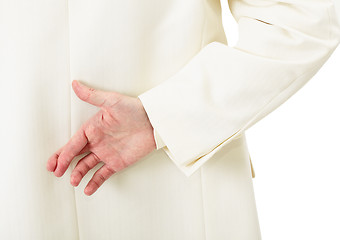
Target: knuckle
62,164
78,173
96,158
110,170
86,167
101,178
90,130
97,185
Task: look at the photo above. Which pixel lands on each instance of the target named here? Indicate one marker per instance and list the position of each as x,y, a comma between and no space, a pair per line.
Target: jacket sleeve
222,91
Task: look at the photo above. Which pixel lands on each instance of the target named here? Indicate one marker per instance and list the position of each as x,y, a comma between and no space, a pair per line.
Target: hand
118,135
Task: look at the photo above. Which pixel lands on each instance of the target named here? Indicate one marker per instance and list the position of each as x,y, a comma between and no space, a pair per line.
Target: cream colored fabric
159,142
225,90
200,95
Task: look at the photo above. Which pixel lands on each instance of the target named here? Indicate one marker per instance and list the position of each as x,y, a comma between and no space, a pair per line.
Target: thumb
90,95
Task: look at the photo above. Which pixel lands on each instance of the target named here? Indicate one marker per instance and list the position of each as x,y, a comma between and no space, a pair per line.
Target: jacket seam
70,97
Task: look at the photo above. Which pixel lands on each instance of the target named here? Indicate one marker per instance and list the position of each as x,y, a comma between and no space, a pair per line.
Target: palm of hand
118,135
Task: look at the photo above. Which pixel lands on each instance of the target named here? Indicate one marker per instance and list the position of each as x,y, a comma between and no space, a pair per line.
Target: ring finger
82,167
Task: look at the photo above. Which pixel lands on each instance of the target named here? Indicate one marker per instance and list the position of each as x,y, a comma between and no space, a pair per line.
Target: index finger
70,150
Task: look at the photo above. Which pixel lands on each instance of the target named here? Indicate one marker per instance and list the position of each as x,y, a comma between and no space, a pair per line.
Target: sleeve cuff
159,142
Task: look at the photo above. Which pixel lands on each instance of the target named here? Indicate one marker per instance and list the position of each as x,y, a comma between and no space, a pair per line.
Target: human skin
118,135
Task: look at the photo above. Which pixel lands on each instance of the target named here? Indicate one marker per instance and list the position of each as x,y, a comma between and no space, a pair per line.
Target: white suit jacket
200,94
222,90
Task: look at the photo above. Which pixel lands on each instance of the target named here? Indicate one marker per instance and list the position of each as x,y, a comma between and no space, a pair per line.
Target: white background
295,154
